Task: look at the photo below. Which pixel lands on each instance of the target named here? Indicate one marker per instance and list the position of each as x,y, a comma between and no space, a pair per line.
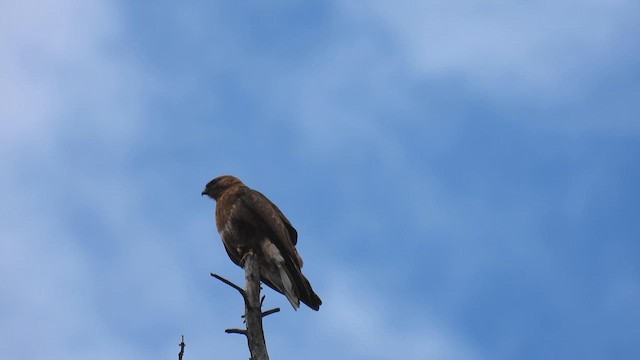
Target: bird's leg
242,250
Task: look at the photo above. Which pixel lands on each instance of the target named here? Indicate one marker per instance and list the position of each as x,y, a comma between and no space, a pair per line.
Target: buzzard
247,220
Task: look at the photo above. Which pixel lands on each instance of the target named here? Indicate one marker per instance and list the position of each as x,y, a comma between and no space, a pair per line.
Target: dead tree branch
269,312
236,331
182,345
252,308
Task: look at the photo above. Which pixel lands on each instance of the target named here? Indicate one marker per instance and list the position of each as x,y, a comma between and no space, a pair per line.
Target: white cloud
355,316
516,47
47,306
63,84
539,64
42,43
65,81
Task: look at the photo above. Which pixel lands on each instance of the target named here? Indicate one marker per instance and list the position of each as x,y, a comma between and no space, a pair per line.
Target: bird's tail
285,277
301,287
307,295
287,287
295,286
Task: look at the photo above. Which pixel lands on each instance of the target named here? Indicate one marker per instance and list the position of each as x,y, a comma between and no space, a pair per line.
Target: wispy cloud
68,116
406,124
358,319
545,46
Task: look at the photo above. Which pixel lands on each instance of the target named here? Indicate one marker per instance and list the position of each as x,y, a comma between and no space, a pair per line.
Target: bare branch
252,307
182,345
236,331
253,311
240,290
269,312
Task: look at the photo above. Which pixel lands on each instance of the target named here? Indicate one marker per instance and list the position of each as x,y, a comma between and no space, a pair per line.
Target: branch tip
238,288
182,345
236,331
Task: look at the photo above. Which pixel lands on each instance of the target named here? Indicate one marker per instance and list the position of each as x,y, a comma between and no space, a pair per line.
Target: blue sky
463,175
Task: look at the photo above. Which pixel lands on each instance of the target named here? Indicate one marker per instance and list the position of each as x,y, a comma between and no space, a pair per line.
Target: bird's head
218,185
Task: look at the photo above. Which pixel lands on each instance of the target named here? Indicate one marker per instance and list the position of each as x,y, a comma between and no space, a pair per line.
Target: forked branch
252,308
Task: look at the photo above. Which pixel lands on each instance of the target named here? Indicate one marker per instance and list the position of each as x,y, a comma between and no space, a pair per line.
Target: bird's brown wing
269,206
274,221
293,234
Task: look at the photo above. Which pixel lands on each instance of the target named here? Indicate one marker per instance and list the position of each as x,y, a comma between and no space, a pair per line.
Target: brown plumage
247,220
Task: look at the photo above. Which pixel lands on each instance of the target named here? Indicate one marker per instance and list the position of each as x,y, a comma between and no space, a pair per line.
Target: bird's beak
203,192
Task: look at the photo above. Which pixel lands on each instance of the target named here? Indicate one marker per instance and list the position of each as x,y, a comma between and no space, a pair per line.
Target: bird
248,221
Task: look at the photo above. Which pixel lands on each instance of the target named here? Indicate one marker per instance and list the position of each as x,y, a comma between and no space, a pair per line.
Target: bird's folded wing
273,221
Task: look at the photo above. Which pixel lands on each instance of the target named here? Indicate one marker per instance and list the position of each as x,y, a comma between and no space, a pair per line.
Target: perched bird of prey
247,220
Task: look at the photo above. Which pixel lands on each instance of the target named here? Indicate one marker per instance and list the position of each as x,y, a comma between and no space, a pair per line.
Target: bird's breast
225,210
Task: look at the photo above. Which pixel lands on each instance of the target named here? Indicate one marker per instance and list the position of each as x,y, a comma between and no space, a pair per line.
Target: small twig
236,331
269,312
240,290
182,345
266,313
